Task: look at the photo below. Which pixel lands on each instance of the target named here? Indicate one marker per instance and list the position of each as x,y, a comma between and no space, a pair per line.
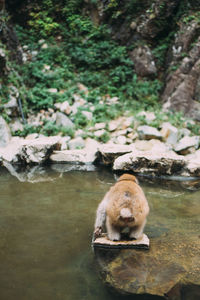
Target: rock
99,126
16,125
180,88
44,46
77,156
170,269
63,107
158,272
169,133
152,145
79,100
121,139
156,19
32,136
143,61
83,88
63,120
113,125
5,134
193,164
149,116
154,162
148,133
12,103
87,155
108,153
99,133
76,143
52,90
88,115
64,142
29,151
186,143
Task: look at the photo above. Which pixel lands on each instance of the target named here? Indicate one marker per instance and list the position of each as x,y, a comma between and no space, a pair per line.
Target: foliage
73,50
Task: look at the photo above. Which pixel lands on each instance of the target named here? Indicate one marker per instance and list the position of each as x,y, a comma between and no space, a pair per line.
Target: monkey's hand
97,232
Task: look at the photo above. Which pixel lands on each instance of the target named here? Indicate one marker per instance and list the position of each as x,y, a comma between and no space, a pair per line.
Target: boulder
148,132
143,61
64,121
170,269
77,143
5,134
182,84
108,153
153,162
169,133
77,156
86,156
193,164
29,151
64,107
187,144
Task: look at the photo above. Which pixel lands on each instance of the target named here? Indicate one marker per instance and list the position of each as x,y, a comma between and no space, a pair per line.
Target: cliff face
162,39
165,41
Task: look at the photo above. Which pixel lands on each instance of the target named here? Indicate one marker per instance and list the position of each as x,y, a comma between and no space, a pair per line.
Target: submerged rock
171,266
158,272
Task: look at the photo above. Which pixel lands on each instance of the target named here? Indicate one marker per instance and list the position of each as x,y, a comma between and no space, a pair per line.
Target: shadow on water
46,224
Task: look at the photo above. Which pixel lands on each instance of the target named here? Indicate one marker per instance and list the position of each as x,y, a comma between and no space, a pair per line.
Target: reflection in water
46,230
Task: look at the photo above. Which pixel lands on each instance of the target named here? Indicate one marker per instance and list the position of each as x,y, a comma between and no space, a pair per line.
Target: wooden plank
104,242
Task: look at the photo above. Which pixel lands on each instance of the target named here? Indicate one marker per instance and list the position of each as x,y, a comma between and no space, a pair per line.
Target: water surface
46,230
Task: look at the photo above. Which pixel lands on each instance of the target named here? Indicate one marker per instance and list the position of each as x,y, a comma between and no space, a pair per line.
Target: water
46,230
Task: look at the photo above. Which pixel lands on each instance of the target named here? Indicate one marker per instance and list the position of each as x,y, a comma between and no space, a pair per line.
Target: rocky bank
164,152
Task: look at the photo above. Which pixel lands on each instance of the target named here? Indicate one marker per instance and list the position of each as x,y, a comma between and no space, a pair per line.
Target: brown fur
125,194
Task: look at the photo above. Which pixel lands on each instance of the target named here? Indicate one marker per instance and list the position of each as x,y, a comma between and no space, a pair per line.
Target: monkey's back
127,194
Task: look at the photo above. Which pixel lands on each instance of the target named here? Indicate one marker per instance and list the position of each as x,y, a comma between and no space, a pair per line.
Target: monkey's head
128,177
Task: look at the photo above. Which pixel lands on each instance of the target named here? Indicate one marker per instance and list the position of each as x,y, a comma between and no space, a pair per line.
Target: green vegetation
63,47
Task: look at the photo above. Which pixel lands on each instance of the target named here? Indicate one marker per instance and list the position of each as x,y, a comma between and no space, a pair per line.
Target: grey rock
186,143
5,134
77,143
63,120
169,133
108,153
16,125
29,151
148,133
143,61
88,115
151,162
77,156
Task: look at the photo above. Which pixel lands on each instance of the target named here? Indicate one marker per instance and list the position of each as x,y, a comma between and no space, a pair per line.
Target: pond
46,231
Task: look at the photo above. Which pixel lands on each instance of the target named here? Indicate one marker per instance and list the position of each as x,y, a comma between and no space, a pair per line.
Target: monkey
124,206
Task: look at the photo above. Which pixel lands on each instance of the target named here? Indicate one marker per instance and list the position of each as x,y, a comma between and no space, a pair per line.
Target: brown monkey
123,206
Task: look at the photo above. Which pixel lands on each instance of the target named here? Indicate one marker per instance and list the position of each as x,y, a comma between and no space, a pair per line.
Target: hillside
95,61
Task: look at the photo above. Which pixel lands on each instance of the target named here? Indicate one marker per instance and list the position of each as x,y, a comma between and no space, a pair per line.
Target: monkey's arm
100,216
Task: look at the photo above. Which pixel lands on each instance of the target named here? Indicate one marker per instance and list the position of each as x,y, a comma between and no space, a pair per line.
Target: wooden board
104,242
